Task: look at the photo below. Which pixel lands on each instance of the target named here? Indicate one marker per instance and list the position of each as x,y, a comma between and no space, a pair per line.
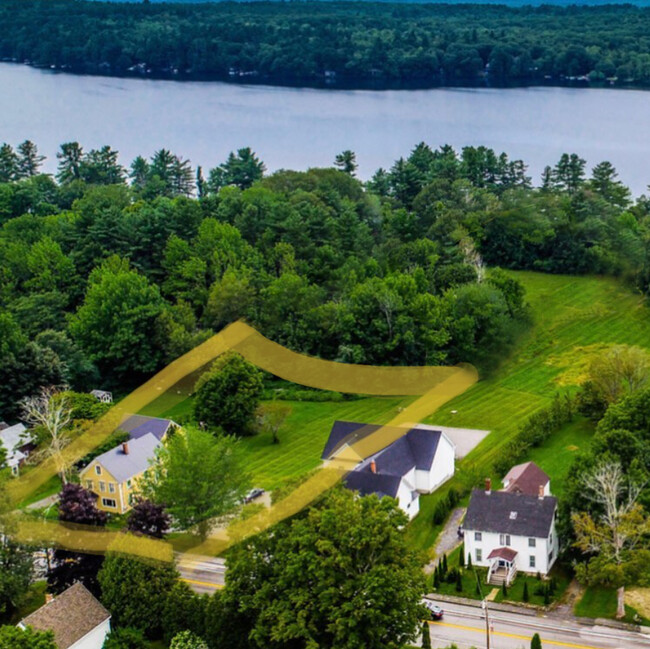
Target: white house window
532,543
531,560
550,556
479,554
108,502
102,486
111,487
98,469
89,484
504,539
478,536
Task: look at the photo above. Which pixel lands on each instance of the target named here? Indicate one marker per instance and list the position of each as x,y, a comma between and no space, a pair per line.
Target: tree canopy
344,564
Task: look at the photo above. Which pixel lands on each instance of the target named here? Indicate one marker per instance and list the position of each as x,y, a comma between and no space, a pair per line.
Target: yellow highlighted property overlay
435,385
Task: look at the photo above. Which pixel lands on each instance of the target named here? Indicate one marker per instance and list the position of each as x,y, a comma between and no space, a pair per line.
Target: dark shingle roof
416,448
141,425
366,483
526,478
70,615
492,513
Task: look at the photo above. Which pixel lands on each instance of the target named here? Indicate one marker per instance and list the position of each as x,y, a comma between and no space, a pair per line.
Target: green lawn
597,602
569,315
572,317
304,433
515,592
556,454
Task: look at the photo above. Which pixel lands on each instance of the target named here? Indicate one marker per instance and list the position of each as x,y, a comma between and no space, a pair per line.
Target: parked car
253,494
435,611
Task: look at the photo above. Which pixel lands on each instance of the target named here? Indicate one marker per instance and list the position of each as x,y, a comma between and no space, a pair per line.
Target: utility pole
484,606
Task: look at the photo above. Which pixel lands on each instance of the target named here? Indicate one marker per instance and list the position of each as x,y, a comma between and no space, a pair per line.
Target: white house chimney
488,485
541,492
373,466
125,448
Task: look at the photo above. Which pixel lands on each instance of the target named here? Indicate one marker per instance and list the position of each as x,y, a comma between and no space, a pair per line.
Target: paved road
203,574
465,627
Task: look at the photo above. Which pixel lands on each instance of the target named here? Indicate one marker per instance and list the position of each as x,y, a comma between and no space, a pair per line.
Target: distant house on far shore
76,618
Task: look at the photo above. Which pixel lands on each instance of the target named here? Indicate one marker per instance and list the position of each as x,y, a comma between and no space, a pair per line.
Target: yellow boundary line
435,385
516,636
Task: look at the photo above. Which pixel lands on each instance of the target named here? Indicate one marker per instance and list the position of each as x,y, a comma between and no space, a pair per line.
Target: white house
417,462
510,531
76,618
18,445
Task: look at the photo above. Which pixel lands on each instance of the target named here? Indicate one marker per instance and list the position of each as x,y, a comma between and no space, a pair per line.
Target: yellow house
113,476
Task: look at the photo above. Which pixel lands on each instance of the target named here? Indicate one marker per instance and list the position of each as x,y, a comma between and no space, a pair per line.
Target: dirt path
448,539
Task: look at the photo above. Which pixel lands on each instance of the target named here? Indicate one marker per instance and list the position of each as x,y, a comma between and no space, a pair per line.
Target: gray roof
491,512
140,425
70,616
366,483
123,466
415,449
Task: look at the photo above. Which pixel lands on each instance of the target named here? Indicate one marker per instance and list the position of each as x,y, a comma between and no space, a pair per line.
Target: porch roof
503,553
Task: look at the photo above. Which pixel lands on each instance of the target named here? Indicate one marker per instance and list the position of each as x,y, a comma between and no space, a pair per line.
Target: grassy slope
568,312
303,436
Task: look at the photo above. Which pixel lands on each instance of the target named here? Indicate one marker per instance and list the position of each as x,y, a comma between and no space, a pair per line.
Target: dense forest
108,273
349,44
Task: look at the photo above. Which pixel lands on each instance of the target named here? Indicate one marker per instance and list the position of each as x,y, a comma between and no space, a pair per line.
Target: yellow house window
111,487
98,469
102,486
89,484
108,502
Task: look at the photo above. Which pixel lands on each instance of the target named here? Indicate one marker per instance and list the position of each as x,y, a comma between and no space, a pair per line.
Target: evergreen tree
459,582
469,560
70,162
426,636
525,596
29,160
8,164
347,162
461,556
504,589
536,642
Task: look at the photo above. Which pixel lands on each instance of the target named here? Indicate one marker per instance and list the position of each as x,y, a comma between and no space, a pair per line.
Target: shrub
125,638
525,597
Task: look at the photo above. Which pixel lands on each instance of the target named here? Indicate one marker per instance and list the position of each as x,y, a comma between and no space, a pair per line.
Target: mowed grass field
572,318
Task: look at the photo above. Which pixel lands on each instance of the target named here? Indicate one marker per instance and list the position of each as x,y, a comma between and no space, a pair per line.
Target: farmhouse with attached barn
418,461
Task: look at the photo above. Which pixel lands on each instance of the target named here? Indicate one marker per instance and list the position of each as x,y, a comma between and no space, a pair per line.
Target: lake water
301,128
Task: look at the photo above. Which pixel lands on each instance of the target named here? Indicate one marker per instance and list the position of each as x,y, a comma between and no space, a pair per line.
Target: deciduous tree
217,482
344,565
228,394
615,539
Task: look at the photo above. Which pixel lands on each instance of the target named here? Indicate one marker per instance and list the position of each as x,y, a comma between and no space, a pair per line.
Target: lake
300,128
